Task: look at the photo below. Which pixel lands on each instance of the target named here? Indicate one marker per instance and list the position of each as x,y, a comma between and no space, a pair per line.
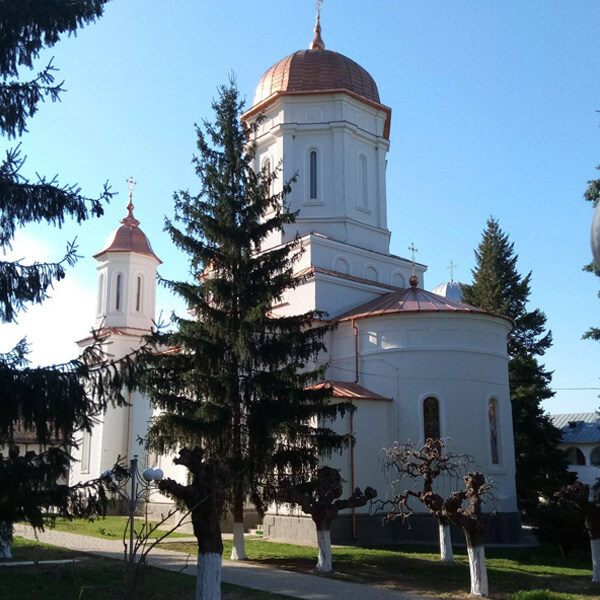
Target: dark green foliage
233,381
499,288
52,402
539,595
592,194
561,526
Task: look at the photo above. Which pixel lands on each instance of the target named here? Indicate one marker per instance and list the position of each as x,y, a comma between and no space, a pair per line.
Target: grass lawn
105,528
417,568
95,578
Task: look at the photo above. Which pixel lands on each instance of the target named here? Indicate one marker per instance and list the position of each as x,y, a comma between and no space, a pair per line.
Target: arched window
595,457
139,287
86,444
118,291
575,457
313,174
268,175
99,310
493,425
431,419
362,191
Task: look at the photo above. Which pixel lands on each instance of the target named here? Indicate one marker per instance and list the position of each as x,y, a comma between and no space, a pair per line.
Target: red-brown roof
411,300
128,238
348,391
316,70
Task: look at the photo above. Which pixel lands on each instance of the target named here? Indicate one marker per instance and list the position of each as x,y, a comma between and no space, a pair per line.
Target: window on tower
362,191
119,292
431,419
138,293
268,174
313,174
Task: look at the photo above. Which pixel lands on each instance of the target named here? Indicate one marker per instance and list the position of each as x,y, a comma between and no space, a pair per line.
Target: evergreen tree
235,382
50,401
592,194
498,287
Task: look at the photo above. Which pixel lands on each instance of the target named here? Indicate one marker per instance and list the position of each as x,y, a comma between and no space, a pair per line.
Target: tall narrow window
138,294
85,452
100,293
493,423
268,174
313,175
362,191
431,419
118,291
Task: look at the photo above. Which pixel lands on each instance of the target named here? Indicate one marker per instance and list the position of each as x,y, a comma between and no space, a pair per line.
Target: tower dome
450,290
316,70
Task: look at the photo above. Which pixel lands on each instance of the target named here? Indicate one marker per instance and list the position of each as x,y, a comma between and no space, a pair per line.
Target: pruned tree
236,381
204,498
585,500
52,401
423,465
462,508
319,497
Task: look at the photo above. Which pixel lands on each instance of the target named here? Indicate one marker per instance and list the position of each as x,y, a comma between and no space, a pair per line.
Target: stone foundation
504,528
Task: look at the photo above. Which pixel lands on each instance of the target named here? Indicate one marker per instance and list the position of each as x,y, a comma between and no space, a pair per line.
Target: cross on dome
451,267
318,43
130,219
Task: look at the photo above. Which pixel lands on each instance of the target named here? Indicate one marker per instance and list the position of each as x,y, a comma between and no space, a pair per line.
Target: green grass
95,578
539,595
417,569
105,527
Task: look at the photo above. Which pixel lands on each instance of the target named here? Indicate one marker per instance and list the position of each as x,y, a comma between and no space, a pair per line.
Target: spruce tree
498,287
234,382
592,194
50,401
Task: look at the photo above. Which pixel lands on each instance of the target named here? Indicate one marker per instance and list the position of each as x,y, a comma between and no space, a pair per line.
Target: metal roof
348,391
578,427
412,300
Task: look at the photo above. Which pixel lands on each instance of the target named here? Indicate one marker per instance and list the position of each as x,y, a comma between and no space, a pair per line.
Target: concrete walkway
287,583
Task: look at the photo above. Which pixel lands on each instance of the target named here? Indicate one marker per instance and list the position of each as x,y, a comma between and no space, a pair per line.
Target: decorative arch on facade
398,279
575,456
371,273
362,188
100,300
595,457
431,418
494,431
342,265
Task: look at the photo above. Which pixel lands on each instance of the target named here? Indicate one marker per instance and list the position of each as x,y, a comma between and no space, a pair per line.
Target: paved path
295,585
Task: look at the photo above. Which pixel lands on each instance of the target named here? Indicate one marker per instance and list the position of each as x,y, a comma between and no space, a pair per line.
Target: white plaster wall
459,359
341,129
130,265
587,473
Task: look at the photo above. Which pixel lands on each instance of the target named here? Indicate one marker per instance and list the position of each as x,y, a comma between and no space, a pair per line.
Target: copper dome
316,70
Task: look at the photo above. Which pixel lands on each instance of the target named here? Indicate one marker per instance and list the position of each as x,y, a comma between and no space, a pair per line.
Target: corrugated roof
348,391
412,300
586,427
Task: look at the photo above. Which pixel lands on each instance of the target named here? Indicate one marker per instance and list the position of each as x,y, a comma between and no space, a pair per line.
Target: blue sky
494,113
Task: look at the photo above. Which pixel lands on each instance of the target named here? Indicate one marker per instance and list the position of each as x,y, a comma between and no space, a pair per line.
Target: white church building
415,364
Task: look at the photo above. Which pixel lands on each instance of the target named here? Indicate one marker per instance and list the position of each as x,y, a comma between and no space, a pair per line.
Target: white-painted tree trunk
479,579
595,560
208,577
324,541
5,540
446,552
238,550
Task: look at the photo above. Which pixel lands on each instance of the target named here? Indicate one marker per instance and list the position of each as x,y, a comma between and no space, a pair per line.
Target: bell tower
126,293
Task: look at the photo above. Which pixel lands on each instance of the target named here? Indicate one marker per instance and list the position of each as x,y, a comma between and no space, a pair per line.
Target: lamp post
140,484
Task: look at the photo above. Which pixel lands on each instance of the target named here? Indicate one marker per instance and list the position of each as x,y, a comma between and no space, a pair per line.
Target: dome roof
450,289
128,238
412,300
316,70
